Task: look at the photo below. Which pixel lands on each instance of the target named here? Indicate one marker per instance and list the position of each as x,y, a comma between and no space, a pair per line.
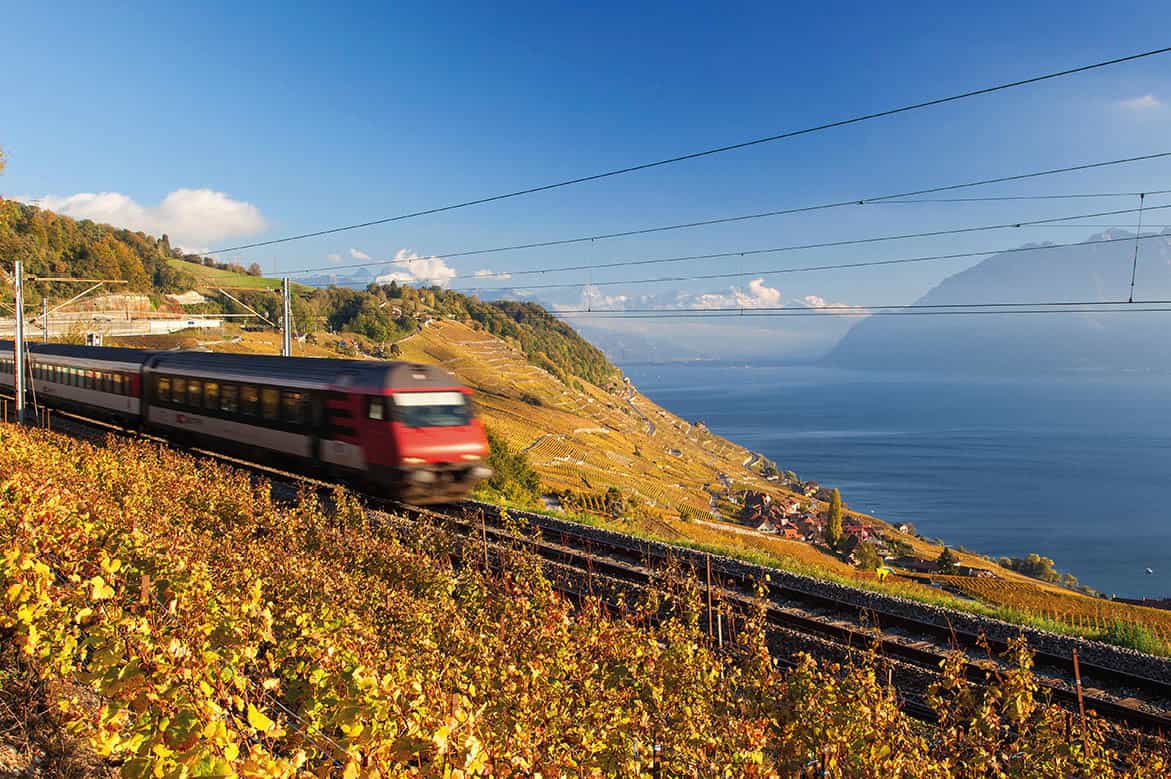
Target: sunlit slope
585,438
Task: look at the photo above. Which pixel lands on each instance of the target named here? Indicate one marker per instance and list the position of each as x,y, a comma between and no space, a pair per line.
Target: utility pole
45,319
286,320
18,342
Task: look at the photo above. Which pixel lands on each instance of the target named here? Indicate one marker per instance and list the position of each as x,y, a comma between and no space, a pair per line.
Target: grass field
224,278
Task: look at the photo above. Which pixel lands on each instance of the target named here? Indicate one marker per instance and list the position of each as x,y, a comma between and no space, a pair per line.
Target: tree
947,561
833,524
868,558
512,475
254,269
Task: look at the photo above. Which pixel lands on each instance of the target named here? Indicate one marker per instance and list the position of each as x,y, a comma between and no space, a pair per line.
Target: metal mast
18,342
286,320
45,319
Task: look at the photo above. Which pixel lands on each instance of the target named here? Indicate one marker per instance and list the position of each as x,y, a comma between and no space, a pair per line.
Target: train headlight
470,457
413,461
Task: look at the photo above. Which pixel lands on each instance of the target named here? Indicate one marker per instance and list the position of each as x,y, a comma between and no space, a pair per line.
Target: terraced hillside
582,438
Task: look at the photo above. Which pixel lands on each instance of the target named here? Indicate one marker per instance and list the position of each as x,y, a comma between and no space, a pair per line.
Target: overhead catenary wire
773,250
993,198
713,151
853,201
814,268
1122,308
803,246
859,308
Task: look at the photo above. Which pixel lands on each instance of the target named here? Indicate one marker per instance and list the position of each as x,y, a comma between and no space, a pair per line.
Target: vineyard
1089,616
163,617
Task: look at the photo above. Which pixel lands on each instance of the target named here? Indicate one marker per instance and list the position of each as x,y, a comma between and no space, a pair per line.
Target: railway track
581,557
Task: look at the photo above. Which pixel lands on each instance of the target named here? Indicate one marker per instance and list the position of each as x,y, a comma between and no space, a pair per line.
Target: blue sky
332,114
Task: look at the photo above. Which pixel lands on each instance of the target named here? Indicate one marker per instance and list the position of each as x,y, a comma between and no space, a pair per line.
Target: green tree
868,558
947,561
512,475
833,523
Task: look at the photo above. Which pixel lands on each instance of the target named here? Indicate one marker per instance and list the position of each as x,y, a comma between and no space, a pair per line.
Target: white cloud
191,218
757,295
333,257
816,301
429,270
594,299
1144,103
488,272
358,254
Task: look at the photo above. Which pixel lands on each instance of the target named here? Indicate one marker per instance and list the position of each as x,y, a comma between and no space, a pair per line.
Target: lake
1077,469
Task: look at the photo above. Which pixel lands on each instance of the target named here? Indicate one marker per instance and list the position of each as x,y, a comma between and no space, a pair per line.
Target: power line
858,308
812,268
819,245
856,201
777,249
1025,197
749,313
710,152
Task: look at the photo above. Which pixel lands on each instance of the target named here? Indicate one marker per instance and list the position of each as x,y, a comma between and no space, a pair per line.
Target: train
397,429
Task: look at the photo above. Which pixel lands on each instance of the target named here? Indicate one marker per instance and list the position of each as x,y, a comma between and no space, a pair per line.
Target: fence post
708,562
1081,704
484,540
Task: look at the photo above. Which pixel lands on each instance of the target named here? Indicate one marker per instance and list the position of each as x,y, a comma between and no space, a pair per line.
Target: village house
852,526
765,526
914,564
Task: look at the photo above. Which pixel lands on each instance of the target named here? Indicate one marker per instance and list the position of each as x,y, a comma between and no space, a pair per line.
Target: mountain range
1094,338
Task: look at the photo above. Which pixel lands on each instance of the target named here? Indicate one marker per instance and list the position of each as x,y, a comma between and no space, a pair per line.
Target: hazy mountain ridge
1032,343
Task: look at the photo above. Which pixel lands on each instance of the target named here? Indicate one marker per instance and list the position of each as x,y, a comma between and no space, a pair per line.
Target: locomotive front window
432,409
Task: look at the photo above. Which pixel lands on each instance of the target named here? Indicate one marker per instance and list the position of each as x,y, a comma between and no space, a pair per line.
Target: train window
116,383
270,399
90,380
163,389
293,407
178,390
229,398
211,395
195,393
104,381
249,399
375,408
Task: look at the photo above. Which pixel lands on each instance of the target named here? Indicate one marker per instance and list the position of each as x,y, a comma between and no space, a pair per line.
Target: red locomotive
396,428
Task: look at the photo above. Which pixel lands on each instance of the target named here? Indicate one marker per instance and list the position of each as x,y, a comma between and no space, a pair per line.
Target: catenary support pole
45,319
286,320
18,343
